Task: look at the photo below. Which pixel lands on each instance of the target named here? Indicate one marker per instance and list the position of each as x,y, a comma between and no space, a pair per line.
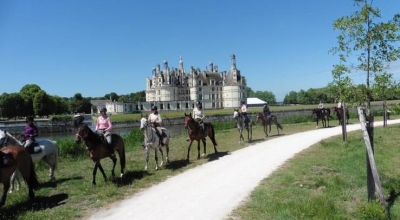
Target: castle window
200,89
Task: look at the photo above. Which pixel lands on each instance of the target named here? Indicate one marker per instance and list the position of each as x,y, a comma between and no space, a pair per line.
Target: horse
15,158
98,149
339,111
151,140
323,115
268,121
240,124
48,153
196,133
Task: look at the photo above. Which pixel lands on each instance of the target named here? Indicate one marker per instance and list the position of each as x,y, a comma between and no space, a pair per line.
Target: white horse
151,140
48,153
240,123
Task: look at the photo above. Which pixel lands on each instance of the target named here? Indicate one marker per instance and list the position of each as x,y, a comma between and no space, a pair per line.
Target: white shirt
155,118
339,105
198,113
321,105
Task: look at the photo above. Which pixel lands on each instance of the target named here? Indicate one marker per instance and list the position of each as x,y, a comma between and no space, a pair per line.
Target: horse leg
147,158
14,176
167,151
51,165
114,160
162,156
187,157
6,186
251,132
204,144
156,155
198,149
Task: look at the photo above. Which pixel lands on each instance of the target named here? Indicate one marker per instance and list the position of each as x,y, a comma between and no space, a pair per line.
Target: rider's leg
28,146
160,135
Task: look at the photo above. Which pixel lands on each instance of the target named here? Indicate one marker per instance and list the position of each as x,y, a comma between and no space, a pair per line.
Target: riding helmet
243,102
104,109
154,108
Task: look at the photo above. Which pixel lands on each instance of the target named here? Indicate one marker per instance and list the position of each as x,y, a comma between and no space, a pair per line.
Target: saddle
34,148
6,160
104,141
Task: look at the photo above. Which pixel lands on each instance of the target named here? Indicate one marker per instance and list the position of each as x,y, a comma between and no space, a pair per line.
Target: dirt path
213,190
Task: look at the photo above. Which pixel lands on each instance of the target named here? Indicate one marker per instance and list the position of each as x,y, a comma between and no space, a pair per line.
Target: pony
48,153
268,121
17,159
339,112
240,124
195,133
98,149
151,140
323,115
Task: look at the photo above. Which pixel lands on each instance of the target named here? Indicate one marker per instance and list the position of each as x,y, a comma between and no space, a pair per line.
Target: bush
67,147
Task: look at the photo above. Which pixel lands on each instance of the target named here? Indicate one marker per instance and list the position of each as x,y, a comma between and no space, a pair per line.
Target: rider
266,111
31,131
339,105
321,106
199,116
244,112
104,126
155,118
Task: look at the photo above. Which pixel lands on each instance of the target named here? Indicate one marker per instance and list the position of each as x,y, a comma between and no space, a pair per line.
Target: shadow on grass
129,177
216,156
38,204
53,184
176,164
256,140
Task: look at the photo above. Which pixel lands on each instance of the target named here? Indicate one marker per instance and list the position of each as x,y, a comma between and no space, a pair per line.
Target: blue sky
98,47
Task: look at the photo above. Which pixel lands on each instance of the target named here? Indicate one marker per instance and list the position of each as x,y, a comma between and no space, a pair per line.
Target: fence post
370,177
344,123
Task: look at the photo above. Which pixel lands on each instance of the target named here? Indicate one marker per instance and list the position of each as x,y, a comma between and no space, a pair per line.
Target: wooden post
384,115
371,160
344,130
370,177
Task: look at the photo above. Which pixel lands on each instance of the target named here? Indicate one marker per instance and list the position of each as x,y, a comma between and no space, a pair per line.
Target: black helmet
104,109
29,119
243,102
198,103
154,108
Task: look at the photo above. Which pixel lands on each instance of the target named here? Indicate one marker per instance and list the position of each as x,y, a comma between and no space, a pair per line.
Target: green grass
73,197
328,181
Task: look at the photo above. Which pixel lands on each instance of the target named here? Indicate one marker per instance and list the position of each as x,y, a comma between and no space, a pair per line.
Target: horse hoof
10,191
122,175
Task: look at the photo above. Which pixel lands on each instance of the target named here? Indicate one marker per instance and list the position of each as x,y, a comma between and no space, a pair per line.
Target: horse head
143,123
7,139
188,119
83,132
3,138
235,113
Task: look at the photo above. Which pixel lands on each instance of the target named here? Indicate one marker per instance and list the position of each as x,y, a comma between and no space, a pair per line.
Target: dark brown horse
196,133
98,149
268,121
323,115
14,158
339,112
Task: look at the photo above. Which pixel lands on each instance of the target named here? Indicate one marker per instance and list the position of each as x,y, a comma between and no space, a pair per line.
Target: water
173,130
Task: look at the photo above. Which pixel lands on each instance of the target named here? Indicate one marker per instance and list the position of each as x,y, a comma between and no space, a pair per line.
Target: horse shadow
129,177
216,156
40,203
276,135
256,140
176,164
54,184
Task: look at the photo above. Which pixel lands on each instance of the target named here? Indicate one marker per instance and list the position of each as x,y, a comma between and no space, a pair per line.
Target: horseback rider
244,112
266,111
104,126
199,116
156,120
339,105
321,107
31,131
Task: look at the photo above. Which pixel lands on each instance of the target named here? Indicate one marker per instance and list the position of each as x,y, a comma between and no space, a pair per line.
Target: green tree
266,96
373,43
60,105
42,104
290,98
28,93
11,105
250,92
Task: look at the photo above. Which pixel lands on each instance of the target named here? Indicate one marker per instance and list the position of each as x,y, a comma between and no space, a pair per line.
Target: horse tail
32,180
279,125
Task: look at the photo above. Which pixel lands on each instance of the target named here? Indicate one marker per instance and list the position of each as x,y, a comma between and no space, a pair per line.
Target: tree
290,98
372,43
42,104
266,96
11,105
250,92
28,93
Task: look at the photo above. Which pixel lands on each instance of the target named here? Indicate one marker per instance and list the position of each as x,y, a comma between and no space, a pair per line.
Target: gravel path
228,181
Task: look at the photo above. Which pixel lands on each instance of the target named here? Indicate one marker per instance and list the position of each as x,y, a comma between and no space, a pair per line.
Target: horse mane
12,137
92,136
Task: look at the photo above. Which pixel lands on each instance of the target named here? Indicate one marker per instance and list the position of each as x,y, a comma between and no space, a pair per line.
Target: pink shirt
103,123
244,108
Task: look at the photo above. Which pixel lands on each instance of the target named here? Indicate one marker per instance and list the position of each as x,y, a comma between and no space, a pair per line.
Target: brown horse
268,121
339,115
323,115
98,149
196,133
14,158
